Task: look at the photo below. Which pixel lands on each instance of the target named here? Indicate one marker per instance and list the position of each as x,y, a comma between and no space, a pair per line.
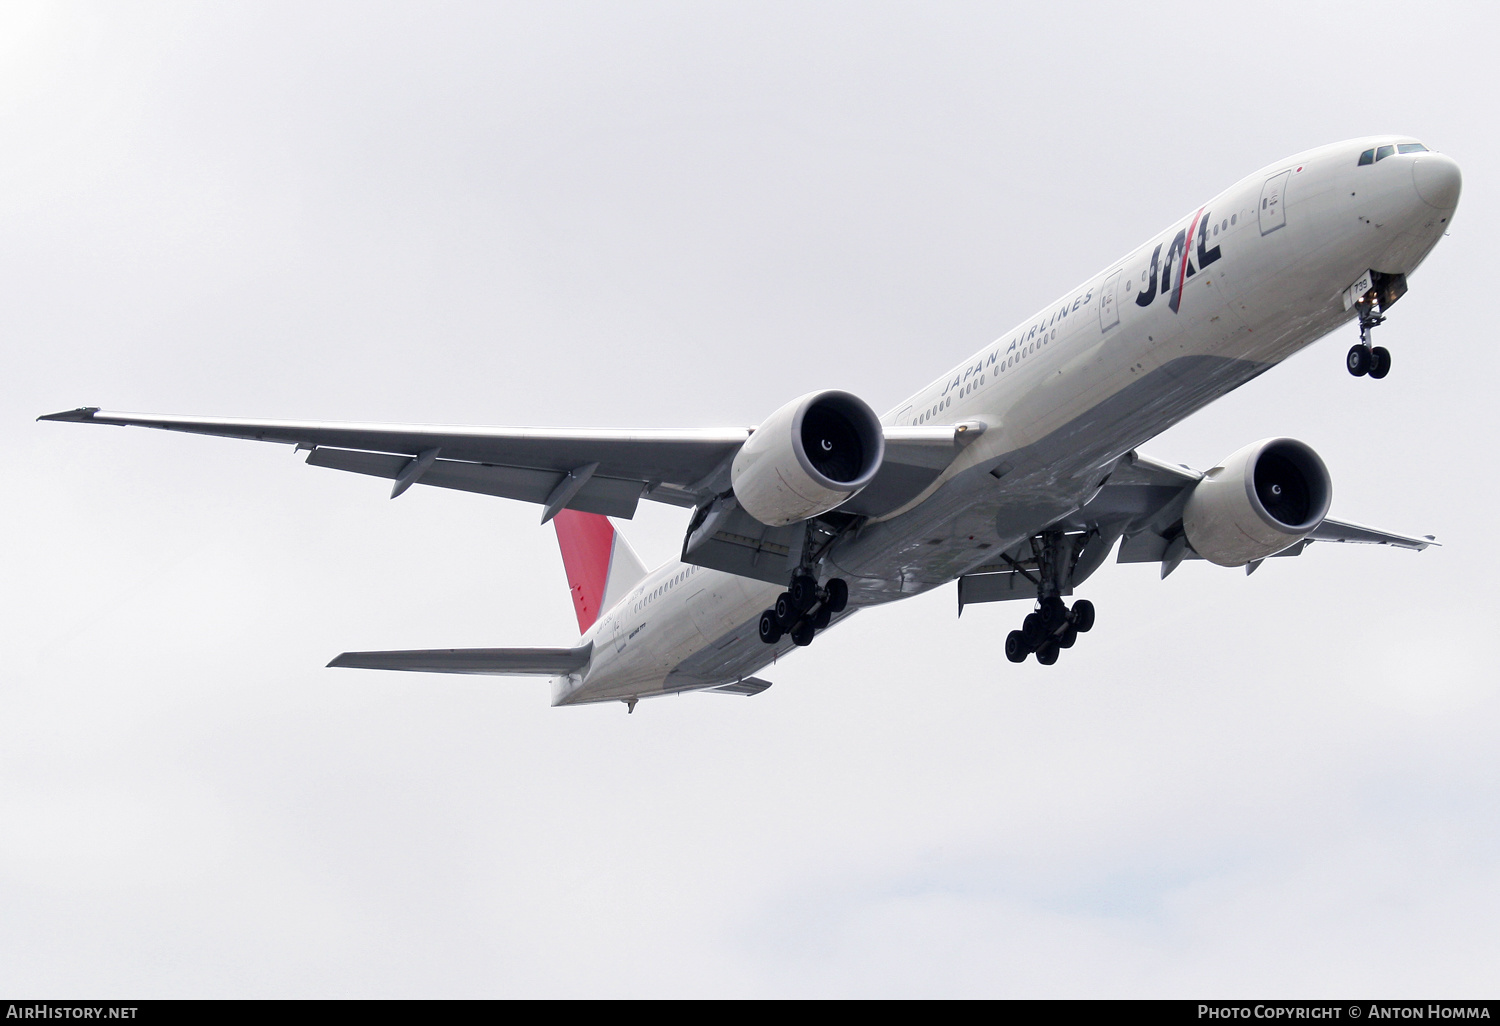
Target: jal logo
1166,277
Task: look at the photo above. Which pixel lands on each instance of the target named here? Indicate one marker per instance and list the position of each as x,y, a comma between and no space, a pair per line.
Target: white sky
684,215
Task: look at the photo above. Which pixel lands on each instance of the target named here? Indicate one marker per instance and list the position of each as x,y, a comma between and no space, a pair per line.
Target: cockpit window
1411,148
1367,157
1384,151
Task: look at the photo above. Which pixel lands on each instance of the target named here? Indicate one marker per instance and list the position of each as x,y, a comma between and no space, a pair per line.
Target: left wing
1140,506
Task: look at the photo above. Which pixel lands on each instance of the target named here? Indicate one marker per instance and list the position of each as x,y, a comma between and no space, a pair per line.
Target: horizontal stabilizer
500,662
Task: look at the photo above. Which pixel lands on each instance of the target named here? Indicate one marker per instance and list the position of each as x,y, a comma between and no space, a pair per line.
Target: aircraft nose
1437,180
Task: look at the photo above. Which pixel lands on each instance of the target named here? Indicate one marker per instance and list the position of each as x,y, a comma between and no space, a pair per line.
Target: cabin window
1411,148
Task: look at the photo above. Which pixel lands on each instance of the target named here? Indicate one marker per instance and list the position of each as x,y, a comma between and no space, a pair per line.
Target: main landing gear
1054,625
803,609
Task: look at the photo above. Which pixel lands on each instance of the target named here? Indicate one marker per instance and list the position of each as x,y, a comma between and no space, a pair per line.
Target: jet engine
1265,497
808,457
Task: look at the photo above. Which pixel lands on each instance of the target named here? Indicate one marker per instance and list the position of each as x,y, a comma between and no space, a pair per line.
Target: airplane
1015,473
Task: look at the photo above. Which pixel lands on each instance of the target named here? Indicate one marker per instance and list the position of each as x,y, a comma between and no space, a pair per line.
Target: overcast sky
683,215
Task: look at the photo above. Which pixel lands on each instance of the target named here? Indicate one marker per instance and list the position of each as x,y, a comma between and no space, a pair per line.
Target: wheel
1358,360
786,611
1047,654
838,594
1033,630
802,634
804,591
821,617
770,627
1380,362
1054,611
1068,637
1083,616
1016,649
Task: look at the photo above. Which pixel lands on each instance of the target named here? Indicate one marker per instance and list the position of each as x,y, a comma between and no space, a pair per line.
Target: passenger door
1272,203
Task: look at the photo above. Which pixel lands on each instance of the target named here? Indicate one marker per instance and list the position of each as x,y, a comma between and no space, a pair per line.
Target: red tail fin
599,564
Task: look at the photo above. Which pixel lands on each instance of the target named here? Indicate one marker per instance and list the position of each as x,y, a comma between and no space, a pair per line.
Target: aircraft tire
1380,362
1358,360
838,594
1047,654
785,611
802,634
1015,647
1033,630
1083,616
770,627
1068,637
804,592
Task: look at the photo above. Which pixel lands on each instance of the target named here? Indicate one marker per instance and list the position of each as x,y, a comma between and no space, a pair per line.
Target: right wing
588,469
501,662
591,470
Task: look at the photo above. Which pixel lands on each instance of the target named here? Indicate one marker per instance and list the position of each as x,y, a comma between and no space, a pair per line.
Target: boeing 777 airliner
1014,473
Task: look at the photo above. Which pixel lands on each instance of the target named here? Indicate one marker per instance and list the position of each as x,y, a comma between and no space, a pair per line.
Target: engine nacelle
1265,497
808,457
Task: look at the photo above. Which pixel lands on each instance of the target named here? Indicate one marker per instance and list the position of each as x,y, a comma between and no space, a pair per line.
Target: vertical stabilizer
600,564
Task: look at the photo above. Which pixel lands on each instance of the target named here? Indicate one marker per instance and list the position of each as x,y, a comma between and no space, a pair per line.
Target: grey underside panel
610,496
895,485
524,662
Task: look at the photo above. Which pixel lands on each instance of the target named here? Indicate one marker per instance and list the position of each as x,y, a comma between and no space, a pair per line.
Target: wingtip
82,415
338,660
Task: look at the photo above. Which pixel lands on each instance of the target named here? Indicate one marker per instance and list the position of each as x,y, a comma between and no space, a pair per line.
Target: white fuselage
1230,289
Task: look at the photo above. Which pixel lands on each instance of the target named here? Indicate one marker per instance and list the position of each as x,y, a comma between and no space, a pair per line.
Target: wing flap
610,496
748,686
501,662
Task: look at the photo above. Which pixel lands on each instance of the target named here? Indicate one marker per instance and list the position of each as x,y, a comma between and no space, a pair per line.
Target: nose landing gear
1371,296
803,609
1366,359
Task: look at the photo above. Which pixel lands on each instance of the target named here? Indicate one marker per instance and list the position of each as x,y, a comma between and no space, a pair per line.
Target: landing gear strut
1363,358
803,609
1054,625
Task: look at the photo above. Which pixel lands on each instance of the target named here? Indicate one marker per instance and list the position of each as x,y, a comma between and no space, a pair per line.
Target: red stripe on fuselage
587,541
1187,250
